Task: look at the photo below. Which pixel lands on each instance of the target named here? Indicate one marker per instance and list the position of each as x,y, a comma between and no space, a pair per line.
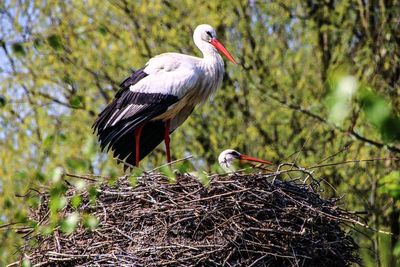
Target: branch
350,132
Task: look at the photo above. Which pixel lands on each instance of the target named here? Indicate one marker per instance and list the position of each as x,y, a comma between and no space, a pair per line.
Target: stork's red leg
166,139
138,132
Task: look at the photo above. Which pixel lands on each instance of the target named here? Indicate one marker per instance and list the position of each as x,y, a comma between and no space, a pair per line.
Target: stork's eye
235,154
209,33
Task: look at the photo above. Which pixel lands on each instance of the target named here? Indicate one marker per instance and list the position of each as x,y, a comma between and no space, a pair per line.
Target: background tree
61,63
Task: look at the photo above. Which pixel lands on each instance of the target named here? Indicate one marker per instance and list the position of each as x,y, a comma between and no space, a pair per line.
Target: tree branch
350,132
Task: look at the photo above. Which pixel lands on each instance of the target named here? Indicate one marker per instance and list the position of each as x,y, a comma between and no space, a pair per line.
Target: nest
238,220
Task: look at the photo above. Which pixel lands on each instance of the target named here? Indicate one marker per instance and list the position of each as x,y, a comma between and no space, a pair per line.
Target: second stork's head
205,38
231,160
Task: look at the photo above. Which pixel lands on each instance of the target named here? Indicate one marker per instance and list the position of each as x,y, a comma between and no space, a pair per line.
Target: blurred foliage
391,184
378,111
61,62
339,100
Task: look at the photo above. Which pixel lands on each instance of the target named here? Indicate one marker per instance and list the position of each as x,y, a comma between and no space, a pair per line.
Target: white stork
230,160
159,97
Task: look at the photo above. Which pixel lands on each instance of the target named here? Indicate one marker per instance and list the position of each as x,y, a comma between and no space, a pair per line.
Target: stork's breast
200,92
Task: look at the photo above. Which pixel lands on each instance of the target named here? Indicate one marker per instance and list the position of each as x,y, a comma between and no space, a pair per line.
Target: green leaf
2,101
26,263
58,173
103,30
76,201
380,114
90,147
69,225
34,202
58,189
46,230
76,101
396,250
112,181
7,203
48,141
390,184
77,164
57,203
61,138
203,178
21,216
248,170
18,49
80,185
40,176
338,102
137,172
376,108
93,194
67,79
54,41
390,129
21,175
167,171
111,173
183,167
90,222
37,43
216,168
133,180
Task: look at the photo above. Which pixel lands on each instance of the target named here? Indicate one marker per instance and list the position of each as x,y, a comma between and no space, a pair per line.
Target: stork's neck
210,53
212,62
213,65
212,57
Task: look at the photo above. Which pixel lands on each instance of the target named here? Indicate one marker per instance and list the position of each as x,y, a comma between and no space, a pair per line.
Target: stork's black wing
116,124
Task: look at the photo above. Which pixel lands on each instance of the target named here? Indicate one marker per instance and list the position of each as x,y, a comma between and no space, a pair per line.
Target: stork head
231,160
205,38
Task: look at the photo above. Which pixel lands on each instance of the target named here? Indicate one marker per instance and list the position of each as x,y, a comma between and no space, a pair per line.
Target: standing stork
158,98
230,160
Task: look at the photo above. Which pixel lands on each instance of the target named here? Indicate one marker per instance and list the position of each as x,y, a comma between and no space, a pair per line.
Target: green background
61,62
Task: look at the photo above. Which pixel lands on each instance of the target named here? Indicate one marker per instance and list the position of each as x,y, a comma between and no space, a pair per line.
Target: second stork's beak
243,157
221,48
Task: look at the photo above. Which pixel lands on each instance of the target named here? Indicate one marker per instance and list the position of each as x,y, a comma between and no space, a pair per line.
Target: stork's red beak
221,48
251,159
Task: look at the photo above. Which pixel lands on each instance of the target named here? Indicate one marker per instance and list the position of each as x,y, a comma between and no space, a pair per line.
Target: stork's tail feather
121,140
104,116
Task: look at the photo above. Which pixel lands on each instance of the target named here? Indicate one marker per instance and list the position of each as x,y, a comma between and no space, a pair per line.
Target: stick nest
238,220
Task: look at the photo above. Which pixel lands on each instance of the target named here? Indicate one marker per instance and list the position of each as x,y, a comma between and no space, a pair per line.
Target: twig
126,163
350,161
80,177
170,163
